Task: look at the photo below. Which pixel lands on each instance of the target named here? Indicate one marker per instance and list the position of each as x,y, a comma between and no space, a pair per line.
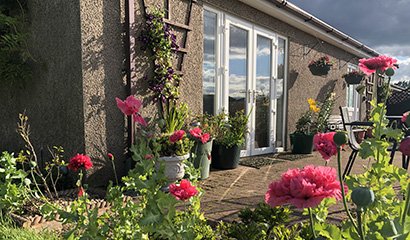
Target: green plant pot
301,143
353,79
225,157
202,158
319,70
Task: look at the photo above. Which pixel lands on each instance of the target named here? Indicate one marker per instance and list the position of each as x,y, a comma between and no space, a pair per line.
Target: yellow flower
311,101
314,108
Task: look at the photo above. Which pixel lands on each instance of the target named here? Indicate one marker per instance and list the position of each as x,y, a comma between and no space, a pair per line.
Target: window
353,97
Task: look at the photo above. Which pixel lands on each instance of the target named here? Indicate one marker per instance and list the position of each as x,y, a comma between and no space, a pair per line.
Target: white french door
249,81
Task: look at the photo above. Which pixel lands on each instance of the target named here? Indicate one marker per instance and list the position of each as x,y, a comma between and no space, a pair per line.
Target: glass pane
263,78
238,61
280,101
209,62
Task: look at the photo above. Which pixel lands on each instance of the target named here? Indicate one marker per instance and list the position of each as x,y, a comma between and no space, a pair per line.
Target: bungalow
234,55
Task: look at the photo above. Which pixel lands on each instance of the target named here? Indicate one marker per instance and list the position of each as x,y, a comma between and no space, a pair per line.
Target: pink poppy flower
80,161
205,138
176,136
405,118
304,188
131,106
370,65
196,132
405,146
325,145
183,191
81,192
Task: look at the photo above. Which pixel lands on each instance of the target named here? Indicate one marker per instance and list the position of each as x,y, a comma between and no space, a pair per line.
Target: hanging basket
320,70
353,79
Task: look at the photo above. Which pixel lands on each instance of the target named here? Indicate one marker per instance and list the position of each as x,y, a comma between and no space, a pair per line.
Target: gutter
296,17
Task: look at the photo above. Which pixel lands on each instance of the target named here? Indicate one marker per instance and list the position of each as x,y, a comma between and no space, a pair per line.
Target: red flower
183,191
81,192
196,132
405,146
110,156
80,161
325,145
176,136
131,106
405,118
205,138
304,188
371,65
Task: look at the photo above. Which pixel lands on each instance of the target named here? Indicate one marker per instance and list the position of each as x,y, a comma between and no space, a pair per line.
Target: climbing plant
14,54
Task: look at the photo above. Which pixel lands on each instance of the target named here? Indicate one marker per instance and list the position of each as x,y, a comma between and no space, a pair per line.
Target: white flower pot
174,167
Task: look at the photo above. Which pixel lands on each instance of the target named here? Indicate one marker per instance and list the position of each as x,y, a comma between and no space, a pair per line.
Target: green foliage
153,216
14,55
326,109
231,130
14,186
264,222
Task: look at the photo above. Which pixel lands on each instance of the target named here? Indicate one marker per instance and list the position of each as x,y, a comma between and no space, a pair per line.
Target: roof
295,16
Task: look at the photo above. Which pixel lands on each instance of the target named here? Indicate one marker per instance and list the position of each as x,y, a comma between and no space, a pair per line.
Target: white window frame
354,111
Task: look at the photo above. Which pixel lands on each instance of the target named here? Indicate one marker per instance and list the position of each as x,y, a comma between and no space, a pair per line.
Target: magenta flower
183,191
205,138
176,136
198,134
325,145
304,188
371,65
131,107
405,118
405,146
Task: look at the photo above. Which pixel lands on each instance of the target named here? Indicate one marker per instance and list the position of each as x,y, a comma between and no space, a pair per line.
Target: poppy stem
342,190
312,224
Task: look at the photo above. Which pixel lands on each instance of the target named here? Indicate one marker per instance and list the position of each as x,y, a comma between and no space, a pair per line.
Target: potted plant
321,66
354,77
230,137
201,152
311,122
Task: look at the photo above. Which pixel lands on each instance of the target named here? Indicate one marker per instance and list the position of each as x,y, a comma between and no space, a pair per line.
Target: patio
229,191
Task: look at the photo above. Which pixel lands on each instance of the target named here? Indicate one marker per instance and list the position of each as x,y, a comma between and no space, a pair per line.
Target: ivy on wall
14,55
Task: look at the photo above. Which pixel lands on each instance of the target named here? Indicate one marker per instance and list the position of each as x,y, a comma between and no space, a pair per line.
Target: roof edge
296,17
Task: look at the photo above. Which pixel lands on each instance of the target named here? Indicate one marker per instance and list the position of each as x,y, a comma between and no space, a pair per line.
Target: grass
10,232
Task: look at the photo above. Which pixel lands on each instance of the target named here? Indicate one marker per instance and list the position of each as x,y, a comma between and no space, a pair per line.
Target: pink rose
80,161
325,145
183,191
371,65
304,188
405,146
176,136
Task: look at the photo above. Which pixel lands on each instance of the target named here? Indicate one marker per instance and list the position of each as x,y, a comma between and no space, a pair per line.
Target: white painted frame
354,111
222,79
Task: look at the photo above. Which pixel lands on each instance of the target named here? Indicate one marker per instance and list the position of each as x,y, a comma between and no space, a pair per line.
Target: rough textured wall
102,64
301,84
53,97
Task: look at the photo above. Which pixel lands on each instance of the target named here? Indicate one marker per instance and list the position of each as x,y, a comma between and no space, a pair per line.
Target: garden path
229,191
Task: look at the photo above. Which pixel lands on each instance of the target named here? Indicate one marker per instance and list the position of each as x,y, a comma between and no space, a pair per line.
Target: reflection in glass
262,93
209,62
280,92
238,61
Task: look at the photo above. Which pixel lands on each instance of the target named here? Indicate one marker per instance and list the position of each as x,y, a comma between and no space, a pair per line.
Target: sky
383,25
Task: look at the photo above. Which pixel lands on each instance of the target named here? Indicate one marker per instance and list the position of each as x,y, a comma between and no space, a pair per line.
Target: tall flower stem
312,224
342,189
359,222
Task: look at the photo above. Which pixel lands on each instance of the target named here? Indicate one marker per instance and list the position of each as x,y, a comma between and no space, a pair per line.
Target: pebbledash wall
80,51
